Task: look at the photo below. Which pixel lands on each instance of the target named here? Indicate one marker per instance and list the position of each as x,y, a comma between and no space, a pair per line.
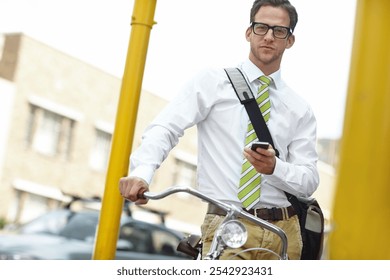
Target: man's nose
269,35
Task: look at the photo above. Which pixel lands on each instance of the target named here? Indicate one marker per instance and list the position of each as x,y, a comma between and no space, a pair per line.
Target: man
209,101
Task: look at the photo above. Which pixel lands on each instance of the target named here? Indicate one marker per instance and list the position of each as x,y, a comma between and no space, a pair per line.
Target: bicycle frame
232,212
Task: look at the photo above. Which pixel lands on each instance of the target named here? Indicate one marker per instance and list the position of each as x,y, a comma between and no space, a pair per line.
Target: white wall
7,95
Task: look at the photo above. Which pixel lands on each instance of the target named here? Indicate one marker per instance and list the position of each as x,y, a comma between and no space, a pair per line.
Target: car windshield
51,223
65,223
81,226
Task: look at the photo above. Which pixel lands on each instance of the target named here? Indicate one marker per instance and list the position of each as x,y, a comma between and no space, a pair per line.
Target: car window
139,237
145,238
164,243
81,226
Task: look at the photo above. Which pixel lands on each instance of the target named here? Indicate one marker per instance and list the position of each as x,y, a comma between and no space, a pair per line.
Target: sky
191,35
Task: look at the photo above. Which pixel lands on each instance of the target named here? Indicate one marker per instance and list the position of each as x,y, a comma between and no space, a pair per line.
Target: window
139,237
100,151
51,223
47,136
164,243
185,169
145,238
185,173
81,226
50,127
49,133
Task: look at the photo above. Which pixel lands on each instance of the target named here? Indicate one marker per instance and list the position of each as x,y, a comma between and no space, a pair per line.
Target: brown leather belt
270,214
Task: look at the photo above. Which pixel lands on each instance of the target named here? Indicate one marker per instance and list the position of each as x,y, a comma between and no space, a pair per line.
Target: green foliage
2,223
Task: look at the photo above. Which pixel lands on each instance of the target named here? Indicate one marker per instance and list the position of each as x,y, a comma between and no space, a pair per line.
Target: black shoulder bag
311,218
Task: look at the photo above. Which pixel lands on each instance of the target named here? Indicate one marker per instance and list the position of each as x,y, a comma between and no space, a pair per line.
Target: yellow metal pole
107,234
362,202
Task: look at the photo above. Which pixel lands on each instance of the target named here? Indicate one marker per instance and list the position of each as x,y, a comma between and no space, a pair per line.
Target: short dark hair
284,4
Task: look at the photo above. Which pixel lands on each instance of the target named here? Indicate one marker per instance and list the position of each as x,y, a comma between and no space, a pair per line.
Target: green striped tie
249,190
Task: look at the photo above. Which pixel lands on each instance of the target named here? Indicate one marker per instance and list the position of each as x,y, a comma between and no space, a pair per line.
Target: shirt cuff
279,171
144,172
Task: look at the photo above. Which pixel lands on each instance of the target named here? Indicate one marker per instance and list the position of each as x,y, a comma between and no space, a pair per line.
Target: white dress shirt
210,102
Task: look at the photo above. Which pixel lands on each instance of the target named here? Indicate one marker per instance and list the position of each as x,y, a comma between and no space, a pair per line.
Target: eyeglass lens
278,31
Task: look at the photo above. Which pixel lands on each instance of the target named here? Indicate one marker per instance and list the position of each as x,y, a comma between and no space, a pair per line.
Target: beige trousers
257,237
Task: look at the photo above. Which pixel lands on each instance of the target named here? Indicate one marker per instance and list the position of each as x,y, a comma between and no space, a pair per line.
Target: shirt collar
252,73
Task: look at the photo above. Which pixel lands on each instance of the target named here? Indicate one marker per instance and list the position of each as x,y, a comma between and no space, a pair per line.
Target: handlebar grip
141,194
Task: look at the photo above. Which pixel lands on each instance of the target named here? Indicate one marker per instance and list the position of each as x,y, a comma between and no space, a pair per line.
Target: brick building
57,117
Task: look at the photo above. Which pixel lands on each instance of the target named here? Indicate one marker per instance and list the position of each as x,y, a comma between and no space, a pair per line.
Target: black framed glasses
280,32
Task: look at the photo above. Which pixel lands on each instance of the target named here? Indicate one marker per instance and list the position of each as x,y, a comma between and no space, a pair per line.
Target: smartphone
263,145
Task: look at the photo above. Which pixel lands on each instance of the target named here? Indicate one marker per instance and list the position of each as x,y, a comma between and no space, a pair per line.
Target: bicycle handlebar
227,207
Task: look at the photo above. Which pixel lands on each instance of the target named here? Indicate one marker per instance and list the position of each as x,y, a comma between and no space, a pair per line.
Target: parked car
67,234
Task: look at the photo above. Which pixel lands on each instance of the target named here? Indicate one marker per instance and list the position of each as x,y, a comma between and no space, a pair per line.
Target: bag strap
246,97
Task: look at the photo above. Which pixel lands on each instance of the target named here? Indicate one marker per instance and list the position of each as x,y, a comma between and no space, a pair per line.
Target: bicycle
230,233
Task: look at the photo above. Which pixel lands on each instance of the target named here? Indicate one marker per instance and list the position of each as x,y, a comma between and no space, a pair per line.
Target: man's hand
132,188
263,160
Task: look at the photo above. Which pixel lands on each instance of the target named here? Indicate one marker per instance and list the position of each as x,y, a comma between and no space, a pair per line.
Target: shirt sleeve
298,174
162,135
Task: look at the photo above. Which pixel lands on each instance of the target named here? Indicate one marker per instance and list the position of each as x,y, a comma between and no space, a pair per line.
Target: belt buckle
255,212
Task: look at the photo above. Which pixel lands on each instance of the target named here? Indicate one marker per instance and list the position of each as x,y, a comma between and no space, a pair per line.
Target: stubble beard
265,59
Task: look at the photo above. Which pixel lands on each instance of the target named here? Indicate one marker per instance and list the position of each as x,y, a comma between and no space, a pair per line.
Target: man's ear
290,41
248,33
